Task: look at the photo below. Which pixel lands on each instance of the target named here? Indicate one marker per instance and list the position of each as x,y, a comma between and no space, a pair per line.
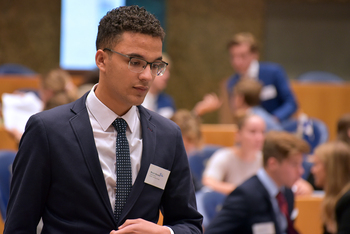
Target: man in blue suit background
66,170
264,203
276,95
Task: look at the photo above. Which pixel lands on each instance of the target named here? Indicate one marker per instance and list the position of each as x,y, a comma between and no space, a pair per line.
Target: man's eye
155,66
135,62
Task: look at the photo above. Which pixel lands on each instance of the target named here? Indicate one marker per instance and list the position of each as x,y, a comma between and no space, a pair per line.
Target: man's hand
140,226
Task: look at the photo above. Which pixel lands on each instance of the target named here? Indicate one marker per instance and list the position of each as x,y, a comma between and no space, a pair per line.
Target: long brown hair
335,157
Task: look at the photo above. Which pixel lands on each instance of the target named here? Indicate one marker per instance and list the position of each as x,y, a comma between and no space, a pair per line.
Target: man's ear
100,59
272,163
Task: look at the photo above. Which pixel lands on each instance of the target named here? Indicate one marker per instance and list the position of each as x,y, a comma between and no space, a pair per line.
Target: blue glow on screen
79,22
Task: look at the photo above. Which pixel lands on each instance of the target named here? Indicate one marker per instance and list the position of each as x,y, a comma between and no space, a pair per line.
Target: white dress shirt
273,190
105,135
101,119
253,70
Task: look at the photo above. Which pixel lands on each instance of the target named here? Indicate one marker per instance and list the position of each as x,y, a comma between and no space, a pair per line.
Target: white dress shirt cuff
171,230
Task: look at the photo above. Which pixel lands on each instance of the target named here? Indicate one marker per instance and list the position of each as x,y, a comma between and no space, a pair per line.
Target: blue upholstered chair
198,160
15,69
319,76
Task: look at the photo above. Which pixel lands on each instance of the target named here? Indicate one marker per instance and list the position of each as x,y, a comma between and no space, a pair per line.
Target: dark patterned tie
283,205
123,167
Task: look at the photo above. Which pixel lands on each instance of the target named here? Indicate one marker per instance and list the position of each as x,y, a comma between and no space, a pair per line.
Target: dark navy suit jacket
247,205
283,105
57,176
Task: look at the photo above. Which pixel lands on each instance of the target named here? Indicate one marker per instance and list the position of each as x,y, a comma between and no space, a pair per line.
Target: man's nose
146,74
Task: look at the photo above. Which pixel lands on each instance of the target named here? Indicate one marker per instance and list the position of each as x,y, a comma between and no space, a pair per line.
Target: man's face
289,170
318,171
252,134
119,88
241,57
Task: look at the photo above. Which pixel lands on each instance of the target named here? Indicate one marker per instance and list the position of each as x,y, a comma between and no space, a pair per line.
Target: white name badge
264,228
157,176
268,92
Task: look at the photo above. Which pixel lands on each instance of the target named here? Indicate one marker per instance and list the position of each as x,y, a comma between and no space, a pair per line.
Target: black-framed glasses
138,65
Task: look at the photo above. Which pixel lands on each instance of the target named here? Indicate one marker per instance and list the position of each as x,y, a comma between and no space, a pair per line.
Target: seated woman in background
343,128
229,167
56,88
331,171
197,151
245,100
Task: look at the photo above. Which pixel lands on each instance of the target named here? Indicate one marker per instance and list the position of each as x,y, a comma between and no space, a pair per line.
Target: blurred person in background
245,99
56,88
331,171
230,166
343,128
276,96
265,202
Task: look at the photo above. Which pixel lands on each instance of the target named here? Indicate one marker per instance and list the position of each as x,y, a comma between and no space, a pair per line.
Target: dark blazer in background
283,105
247,205
57,176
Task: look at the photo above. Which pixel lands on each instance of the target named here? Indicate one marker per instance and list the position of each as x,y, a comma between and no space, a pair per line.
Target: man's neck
273,177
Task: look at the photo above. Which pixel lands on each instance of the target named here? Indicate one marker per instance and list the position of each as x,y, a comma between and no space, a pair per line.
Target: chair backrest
212,202
198,160
316,135
319,76
13,68
6,160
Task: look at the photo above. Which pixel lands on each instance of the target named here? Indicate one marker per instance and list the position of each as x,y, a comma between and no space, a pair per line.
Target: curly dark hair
126,19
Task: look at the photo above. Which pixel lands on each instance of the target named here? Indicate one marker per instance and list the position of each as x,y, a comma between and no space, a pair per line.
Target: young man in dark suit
264,203
104,164
276,96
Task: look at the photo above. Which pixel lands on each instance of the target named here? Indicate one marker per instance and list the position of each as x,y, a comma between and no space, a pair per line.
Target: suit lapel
84,134
148,151
267,199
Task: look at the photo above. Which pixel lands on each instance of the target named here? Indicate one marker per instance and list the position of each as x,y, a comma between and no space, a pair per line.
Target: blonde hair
335,157
281,145
61,87
189,125
244,38
250,90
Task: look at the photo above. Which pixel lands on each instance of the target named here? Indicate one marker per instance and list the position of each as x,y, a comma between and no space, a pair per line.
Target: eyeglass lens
138,65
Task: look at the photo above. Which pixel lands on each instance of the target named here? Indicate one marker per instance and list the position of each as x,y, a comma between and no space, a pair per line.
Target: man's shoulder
61,113
269,66
250,187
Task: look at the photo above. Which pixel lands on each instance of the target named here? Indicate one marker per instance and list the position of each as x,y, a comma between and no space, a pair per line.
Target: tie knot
120,125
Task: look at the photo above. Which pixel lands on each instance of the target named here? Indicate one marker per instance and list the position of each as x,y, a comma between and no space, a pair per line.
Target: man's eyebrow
141,57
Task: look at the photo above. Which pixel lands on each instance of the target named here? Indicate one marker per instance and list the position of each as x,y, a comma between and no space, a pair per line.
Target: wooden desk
8,84
7,142
327,102
1,225
309,217
219,134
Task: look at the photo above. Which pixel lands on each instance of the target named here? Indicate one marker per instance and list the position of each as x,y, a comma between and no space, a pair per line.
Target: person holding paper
105,164
264,203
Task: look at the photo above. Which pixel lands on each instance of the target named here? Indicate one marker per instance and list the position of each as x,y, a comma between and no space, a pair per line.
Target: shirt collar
253,70
105,116
268,183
